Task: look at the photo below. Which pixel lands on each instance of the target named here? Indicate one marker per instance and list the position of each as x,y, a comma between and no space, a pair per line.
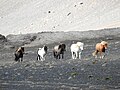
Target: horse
76,50
58,50
100,48
19,54
42,53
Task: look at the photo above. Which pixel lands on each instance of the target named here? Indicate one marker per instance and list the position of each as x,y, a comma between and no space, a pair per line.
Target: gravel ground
64,74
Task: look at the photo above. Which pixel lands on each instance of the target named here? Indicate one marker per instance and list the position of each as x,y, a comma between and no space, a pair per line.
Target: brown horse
19,54
58,50
100,48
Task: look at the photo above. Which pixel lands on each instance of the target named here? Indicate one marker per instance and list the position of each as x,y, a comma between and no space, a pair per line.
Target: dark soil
64,74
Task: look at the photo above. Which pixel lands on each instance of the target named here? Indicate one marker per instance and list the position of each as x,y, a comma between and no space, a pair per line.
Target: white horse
41,53
76,50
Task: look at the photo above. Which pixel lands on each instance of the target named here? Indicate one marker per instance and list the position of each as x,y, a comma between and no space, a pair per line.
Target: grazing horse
76,50
41,53
100,48
59,49
19,54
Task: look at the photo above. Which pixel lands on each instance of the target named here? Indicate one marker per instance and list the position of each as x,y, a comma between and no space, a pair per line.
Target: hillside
87,73
31,16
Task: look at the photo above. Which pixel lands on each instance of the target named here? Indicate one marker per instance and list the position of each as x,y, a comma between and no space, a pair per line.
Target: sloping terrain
66,74
32,16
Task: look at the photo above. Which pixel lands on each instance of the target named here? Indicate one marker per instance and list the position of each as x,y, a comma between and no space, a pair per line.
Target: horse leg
80,55
38,57
41,58
72,55
21,59
54,54
62,55
76,55
103,55
95,53
96,56
58,56
16,57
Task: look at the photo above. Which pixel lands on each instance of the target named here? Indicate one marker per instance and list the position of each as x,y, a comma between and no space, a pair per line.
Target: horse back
100,47
74,47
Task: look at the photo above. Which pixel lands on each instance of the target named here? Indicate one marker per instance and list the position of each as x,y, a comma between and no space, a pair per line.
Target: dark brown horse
19,54
59,50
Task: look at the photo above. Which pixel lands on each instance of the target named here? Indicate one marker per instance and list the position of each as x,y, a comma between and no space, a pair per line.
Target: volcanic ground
62,74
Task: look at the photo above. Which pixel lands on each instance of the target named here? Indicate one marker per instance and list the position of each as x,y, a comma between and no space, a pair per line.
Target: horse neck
43,49
79,47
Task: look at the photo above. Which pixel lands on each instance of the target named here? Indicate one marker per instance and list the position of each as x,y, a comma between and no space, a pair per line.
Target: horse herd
58,51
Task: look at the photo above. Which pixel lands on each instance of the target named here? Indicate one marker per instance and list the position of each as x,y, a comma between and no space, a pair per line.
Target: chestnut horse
100,48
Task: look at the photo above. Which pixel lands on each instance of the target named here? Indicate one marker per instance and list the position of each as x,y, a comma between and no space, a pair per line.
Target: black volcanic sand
64,74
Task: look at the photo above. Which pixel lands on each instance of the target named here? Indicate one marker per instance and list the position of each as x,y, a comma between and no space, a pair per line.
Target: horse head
105,44
80,44
63,46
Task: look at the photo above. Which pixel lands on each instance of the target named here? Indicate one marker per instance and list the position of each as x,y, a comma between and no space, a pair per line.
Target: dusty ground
31,16
65,74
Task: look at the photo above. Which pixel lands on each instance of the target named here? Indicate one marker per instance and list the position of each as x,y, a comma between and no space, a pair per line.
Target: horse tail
54,53
95,53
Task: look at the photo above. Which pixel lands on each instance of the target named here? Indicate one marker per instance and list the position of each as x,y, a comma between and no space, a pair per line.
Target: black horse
19,54
59,50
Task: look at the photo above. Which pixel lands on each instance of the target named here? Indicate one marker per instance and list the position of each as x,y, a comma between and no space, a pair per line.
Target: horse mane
63,47
20,49
59,47
45,48
104,42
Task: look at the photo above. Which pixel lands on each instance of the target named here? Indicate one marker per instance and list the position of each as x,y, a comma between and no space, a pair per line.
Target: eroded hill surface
32,16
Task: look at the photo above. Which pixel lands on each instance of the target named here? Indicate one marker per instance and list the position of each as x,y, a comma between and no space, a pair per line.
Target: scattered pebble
104,64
